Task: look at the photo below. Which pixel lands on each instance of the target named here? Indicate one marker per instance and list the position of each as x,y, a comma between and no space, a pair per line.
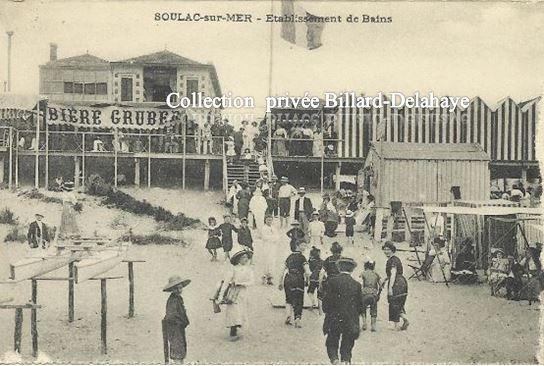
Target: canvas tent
424,173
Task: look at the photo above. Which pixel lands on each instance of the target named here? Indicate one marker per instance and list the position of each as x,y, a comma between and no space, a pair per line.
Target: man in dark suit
303,210
38,233
342,304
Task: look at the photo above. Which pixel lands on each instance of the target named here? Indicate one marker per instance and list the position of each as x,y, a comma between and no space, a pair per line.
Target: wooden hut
424,173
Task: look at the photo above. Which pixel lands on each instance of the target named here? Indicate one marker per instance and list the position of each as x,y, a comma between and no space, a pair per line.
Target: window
192,87
68,87
78,88
126,89
102,88
90,88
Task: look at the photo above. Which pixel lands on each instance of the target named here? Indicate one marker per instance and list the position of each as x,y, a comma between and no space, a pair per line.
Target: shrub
96,185
16,234
180,222
7,217
155,238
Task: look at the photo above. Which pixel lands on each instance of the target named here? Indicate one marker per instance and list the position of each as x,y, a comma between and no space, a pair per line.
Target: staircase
242,172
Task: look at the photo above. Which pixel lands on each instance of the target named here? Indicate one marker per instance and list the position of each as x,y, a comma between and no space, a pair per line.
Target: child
226,235
176,319
296,234
240,276
316,264
371,294
244,235
498,271
231,153
350,224
213,242
316,229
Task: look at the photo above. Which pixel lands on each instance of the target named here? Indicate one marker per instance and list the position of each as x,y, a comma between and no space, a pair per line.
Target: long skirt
294,292
398,299
177,342
236,313
243,208
68,224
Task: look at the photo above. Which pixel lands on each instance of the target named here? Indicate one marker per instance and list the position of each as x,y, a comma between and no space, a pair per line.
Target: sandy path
460,324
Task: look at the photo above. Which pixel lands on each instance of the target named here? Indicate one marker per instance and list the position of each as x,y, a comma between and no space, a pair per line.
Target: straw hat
315,213
295,223
349,213
301,190
239,252
174,281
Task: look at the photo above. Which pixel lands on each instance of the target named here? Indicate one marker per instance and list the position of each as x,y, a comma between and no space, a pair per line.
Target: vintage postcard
271,182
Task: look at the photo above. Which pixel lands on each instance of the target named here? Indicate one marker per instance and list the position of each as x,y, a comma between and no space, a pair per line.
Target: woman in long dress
232,197
397,287
271,242
318,143
240,276
280,142
243,196
258,206
68,223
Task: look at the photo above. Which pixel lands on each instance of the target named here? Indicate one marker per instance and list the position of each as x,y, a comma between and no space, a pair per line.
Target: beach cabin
424,173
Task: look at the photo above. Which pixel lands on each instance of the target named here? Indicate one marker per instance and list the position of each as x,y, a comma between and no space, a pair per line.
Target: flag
300,27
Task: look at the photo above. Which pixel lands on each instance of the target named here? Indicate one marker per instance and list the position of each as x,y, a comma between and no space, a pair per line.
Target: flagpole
322,152
269,114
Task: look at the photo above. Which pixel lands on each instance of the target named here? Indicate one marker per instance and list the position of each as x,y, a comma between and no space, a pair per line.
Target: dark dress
243,203
214,242
315,264
296,235
293,282
331,270
350,223
399,289
244,237
226,235
176,321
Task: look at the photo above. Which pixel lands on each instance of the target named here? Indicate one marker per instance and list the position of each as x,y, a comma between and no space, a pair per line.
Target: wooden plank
71,274
130,289
103,317
18,330
30,267
34,319
93,267
19,306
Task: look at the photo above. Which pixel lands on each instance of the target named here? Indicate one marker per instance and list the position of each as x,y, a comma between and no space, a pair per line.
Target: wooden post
71,275
37,149
2,164
524,176
77,171
165,345
130,289
337,180
115,167
183,163
46,149
83,160
34,319
18,330
137,172
10,164
149,161
206,174
17,159
103,317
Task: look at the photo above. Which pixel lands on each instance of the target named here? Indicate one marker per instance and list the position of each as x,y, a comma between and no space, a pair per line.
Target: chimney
53,52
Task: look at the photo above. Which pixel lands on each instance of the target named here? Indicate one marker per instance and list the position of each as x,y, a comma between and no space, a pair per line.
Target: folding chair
423,270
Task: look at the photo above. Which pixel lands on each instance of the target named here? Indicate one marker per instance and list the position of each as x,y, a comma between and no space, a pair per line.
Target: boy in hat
316,229
244,235
371,293
226,235
176,319
303,209
38,233
350,225
315,264
342,304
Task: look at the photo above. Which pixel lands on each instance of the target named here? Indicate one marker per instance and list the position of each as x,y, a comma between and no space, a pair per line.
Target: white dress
241,275
234,189
271,243
258,206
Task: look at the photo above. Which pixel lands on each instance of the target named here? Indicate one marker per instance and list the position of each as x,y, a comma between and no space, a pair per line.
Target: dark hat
243,219
174,281
345,264
390,245
235,258
336,247
301,190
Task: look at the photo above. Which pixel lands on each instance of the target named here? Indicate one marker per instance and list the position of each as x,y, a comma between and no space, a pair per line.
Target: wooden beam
206,175
18,330
17,159
71,274
10,164
149,162
130,289
34,319
19,306
137,172
103,317
115,167
37,148
46,185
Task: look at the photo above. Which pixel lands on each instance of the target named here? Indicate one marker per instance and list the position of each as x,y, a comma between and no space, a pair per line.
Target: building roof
429,151
81,60
161,58
528,102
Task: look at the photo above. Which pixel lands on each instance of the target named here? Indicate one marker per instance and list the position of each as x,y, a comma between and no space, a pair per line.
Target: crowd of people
525,196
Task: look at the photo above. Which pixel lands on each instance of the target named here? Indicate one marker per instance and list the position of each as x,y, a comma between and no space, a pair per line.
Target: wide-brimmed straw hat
235,258
174,281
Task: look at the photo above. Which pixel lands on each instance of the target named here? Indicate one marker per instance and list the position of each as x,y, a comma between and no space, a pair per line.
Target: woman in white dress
271,243
318,143
240,276
258,206
234,189
68,223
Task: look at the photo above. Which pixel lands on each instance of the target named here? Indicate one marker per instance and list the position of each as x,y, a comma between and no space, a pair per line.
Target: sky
490,49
